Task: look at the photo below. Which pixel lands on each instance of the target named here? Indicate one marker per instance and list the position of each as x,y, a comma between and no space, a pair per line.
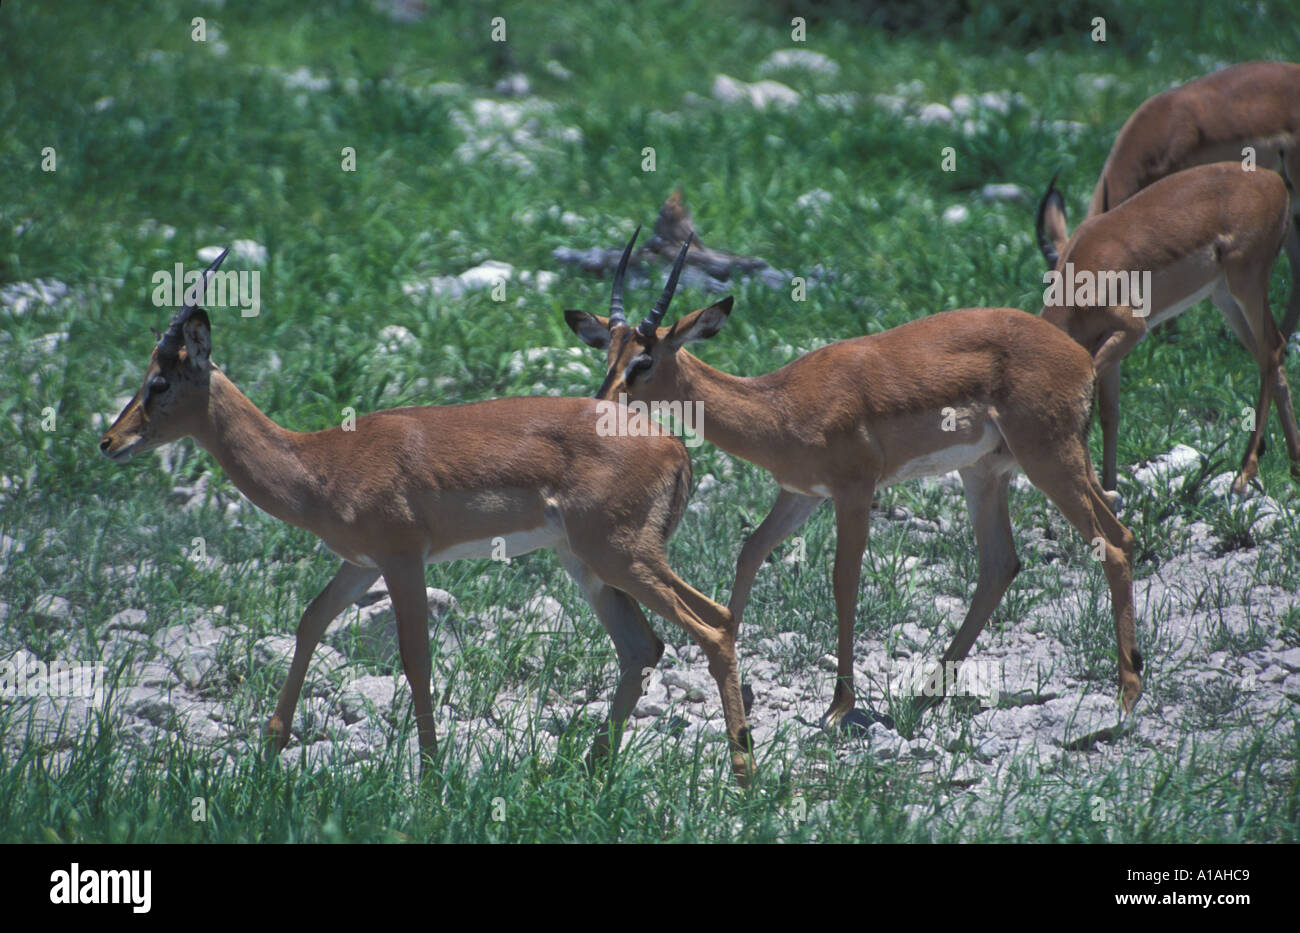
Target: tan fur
1206,120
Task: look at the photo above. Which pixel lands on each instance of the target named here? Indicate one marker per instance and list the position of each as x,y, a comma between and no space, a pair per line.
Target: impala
1256,105
412,486
1211,230
977,390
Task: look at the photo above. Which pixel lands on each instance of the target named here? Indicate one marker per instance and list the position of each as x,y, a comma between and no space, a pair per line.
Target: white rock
515,85
367,696
1003,192
760,94
813,201
1165,468
485,275
799,59
956,214
932,114
394,338
303,78
54,607
890,102
133,620
21,297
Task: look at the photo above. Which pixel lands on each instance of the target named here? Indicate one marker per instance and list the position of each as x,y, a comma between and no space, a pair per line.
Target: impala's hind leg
1066,477
644,575
636,644
1243,301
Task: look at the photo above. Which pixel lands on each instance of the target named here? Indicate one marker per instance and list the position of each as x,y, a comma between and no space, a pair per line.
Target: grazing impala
978,390
1212,230
1256,105
413,486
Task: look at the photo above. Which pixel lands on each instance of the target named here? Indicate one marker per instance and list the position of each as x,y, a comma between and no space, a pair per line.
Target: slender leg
789,512
852,518
986,500
647,578
1108,383
1066,477
348,585
1243,300
1292,245
639,648
405,578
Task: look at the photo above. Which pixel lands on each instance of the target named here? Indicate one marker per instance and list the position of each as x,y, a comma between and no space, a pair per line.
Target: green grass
218,148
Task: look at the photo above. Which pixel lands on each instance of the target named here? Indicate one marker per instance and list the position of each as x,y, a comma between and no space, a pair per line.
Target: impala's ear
198,338
701,324
1050,224
591,330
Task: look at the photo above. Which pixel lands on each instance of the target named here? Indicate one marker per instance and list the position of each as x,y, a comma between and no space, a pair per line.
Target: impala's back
1256,104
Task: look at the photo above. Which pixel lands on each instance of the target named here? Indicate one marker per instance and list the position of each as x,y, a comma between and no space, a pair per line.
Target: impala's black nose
103,444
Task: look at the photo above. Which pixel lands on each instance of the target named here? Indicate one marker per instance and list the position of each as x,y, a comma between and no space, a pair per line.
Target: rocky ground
1210,626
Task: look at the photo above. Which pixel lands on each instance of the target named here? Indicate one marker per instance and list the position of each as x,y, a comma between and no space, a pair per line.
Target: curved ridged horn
169,344
1045,244
653,319
616,315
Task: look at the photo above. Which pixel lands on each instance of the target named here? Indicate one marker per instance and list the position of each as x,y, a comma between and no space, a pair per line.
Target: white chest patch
501,547
946,459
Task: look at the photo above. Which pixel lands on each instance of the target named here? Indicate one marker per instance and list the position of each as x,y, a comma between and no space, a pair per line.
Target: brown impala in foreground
980,390
413,486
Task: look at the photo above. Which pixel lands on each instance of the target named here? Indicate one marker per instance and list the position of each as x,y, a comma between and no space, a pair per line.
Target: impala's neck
261,458
740,415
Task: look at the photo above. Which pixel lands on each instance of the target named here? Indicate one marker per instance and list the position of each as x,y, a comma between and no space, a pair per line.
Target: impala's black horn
169,344
656,316
616,315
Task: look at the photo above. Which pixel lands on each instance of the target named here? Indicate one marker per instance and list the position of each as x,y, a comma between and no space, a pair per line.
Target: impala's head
642,360
175,385
1050,224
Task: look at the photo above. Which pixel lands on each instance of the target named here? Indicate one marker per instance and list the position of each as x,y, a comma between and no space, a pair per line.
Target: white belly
946,459
507,546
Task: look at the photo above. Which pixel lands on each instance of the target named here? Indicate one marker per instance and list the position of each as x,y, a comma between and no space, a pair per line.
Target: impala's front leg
405,578
986,500
789,512
349,584
852,518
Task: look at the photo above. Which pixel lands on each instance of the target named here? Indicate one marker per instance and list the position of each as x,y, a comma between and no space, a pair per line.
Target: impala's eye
639,365
157,384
